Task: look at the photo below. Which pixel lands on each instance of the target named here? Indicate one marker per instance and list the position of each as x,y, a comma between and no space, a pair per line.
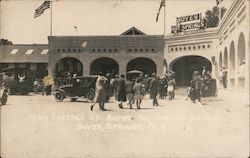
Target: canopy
135,72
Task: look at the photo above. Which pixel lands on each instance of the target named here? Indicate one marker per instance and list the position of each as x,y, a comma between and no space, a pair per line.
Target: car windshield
82,82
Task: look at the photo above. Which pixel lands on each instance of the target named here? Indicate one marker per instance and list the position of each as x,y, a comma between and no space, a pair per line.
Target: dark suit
154,90
121,90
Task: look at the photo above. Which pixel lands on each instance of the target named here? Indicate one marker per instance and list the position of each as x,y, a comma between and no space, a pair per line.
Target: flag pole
164,17
51,17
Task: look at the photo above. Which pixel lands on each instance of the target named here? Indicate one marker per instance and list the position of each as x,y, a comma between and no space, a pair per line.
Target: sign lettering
188,18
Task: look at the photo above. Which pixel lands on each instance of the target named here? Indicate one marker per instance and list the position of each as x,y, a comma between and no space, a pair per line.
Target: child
170,89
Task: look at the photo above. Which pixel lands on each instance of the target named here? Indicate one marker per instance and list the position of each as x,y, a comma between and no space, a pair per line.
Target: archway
104,65
68,65
241,60
185,66
147,66
232,64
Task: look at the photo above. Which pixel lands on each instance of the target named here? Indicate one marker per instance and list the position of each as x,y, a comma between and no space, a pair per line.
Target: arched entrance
147,66
104,65
185,66
68,65
232,65
241,61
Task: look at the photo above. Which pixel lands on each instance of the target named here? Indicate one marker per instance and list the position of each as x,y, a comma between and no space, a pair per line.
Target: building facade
227,46
33,57
85,55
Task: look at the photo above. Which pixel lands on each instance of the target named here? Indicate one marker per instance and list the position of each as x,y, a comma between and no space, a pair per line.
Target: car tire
59,96
90,96
4,98
73,99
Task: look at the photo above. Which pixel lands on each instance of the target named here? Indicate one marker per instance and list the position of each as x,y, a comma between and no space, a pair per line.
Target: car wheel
59,96
4,98
73,99
90,96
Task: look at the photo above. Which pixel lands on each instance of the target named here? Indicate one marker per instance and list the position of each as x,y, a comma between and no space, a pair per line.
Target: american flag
41,9
161,5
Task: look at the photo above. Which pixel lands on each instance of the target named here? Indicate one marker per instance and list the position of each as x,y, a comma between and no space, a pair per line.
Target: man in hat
195,87
154,84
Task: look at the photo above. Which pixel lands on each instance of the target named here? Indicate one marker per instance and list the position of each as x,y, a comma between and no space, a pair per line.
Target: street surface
37,126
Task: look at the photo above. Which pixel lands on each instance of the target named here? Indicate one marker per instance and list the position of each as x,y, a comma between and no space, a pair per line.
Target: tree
212,16
5,41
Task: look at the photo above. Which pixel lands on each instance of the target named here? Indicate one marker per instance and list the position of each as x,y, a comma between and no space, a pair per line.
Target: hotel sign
187,23
195,25
188,18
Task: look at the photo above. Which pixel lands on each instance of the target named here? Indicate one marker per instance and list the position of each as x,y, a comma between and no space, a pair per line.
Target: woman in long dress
130,92
100,93
138,93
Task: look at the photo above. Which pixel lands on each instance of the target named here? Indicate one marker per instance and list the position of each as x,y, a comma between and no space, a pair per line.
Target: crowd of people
133,90
202,85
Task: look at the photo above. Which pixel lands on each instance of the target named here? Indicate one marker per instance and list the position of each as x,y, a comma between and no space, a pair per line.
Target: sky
92,17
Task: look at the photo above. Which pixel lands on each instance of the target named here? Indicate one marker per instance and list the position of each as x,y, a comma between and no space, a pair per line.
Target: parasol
48,80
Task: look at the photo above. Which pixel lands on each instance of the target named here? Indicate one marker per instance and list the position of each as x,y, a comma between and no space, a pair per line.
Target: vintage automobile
77,87
10,79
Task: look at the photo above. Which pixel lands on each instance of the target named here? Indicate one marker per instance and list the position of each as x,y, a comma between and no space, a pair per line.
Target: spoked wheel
59,96
90,96
4,98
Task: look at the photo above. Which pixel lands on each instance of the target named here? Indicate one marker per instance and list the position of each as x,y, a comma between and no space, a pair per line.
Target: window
14,51
29,51
45,51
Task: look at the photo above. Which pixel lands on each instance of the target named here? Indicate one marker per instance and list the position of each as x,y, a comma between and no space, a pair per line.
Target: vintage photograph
124,78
